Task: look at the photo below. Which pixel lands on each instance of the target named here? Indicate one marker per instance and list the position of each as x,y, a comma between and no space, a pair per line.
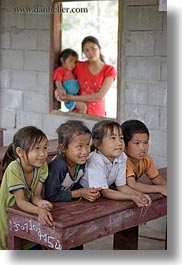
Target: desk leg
14,243
126,239
166,238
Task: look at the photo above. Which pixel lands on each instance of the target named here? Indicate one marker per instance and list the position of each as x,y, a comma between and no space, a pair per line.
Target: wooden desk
78,222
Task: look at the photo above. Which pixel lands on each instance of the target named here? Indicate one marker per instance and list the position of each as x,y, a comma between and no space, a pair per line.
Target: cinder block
29,118
11,19
12,59
35,102
138,68
148,114
36,60
139,44
7,118
136,92
5,78
43,82
24,80
163,119
160,43
11,99
43,40
5,40
144,18
164,71
24,39
37,21
158,143
157,94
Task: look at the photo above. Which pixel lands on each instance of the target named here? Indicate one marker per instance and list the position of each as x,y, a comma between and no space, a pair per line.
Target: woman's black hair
131,127
65,54
67,130
101,129
94,40
25,138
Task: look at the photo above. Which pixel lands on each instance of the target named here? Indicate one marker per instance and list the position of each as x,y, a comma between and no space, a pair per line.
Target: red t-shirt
62,74
90,83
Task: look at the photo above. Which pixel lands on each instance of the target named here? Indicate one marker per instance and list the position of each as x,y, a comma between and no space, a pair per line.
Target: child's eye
146,142
37,147
45,147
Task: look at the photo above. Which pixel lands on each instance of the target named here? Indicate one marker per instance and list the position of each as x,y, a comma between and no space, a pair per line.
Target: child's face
112,144
35,157
70,62
138,146
78,149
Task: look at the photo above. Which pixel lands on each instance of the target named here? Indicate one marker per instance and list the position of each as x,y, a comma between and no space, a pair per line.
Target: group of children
117,157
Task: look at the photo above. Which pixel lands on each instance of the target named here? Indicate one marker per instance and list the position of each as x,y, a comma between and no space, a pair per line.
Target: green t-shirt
14,179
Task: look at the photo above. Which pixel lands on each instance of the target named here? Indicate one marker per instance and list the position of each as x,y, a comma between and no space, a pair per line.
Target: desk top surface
66,214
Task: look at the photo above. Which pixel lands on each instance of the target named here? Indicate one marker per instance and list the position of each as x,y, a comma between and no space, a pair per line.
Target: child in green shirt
25,172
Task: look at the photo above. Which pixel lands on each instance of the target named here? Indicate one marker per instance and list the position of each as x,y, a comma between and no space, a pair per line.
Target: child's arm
147,188
93,96
37,198
44,216
90,194
125,193
60,91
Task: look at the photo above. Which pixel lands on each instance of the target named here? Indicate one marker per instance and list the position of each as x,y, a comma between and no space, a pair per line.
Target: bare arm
44,216
147,188
90,194
125,193
92,97
60,91
37,198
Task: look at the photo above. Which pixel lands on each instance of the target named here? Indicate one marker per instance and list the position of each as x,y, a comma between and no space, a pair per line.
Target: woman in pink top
95,78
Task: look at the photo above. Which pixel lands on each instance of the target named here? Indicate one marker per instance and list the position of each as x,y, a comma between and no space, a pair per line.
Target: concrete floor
149,239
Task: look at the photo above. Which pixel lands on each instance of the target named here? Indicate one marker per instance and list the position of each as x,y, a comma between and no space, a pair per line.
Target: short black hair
131,127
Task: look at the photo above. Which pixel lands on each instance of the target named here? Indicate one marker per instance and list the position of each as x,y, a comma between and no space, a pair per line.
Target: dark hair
94,40
66,131
25,138
132,127
65,54
101,129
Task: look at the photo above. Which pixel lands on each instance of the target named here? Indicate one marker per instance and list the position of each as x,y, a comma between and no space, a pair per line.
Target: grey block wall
144,71
24,70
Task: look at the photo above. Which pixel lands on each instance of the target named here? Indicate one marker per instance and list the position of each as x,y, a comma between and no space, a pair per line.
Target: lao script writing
28,226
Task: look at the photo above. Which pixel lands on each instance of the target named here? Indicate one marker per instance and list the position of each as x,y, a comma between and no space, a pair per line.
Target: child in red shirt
65,80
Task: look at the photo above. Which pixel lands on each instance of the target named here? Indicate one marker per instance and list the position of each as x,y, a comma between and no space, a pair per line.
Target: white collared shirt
100,172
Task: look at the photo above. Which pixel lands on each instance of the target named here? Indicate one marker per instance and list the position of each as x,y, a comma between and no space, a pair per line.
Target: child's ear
95,142
61,148
19,152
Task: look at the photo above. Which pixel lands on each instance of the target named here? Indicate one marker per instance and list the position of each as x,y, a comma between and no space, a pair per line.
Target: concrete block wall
24,70
144,71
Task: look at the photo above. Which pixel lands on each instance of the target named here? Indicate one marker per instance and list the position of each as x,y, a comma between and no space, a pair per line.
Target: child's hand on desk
164,190
142,199
90,194
45,217
45,204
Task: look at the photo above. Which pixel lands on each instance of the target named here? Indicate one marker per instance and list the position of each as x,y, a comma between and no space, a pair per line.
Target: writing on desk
31,227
